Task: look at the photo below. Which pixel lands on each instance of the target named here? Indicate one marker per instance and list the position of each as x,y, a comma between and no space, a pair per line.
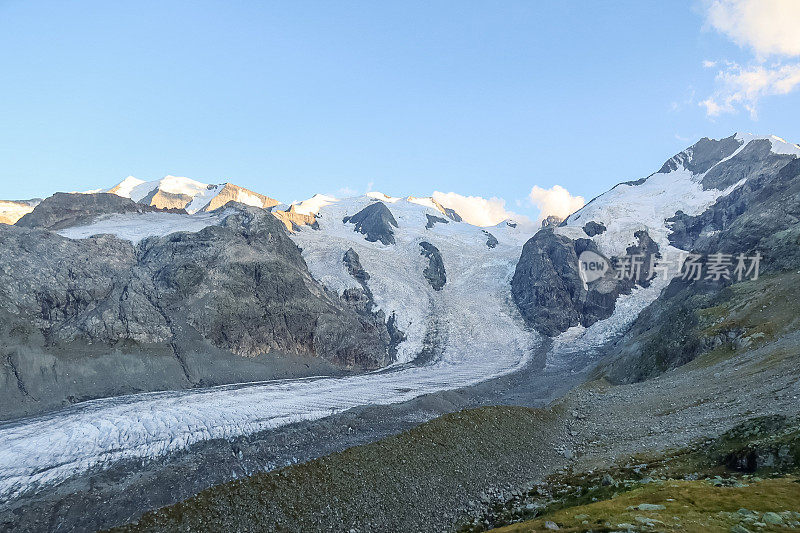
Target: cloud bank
491,211
476,210
767,26
555,201
770,29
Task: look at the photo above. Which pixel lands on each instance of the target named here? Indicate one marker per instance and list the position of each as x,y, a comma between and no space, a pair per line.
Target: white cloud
770,29
709,64
491,211
475,209
555,201
767,26
745,86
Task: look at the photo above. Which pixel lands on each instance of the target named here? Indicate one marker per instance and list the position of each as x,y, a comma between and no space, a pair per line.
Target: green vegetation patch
681,505
753,467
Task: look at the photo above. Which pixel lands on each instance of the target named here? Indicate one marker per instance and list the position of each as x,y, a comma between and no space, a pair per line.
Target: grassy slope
692,506
756,312
701,487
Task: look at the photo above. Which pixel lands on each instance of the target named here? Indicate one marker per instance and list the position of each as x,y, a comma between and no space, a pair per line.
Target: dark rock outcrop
353,264
755,159
294,220
645,253
551,220
434,272
702,155
63,210
593,228
432,220
491,240
364,300
547,286
763,215
375,221
452,215
548,289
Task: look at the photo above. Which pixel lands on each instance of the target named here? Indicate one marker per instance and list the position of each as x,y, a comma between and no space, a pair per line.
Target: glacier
475,329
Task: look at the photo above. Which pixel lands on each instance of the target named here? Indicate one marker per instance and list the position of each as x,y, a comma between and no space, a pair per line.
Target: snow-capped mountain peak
313,204
690,182
176,192
126,186
779,145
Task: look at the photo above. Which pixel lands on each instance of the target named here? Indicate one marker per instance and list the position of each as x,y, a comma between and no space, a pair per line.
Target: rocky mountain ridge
240,287
120,297
372,280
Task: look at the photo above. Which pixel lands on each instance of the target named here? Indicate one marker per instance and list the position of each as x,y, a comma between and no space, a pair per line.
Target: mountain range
175,285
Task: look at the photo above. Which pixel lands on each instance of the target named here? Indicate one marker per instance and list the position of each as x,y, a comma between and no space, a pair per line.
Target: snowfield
627,208
135,227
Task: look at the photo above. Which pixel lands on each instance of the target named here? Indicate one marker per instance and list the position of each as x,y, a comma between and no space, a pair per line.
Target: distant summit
173,192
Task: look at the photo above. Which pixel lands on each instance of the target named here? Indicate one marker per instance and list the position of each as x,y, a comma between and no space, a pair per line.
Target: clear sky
292,98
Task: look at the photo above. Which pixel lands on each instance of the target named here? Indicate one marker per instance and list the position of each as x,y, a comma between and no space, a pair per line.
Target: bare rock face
375,221
755,159
552,220
491,240
13,210
166,200
593,228
549,291
547,286
433,220
448,212
364,302
234,193
68,289
703,155
353,264
222,297
434,272
762,215
294,220
244,286
759,216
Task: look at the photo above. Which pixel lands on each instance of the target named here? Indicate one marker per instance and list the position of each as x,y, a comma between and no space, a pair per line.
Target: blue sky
294,98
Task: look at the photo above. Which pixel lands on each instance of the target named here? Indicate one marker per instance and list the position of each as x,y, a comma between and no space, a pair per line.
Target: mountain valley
209,338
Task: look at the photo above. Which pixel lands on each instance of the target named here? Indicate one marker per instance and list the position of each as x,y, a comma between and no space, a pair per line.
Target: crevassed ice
479,332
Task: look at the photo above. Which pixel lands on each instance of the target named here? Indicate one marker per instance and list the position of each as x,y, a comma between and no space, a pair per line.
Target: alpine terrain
178,356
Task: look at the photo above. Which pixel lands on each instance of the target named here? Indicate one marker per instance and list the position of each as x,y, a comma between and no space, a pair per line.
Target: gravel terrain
427,478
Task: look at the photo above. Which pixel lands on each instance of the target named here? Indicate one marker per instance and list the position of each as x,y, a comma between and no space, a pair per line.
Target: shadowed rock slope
697,316
376,222
63,210
238,288
548,289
